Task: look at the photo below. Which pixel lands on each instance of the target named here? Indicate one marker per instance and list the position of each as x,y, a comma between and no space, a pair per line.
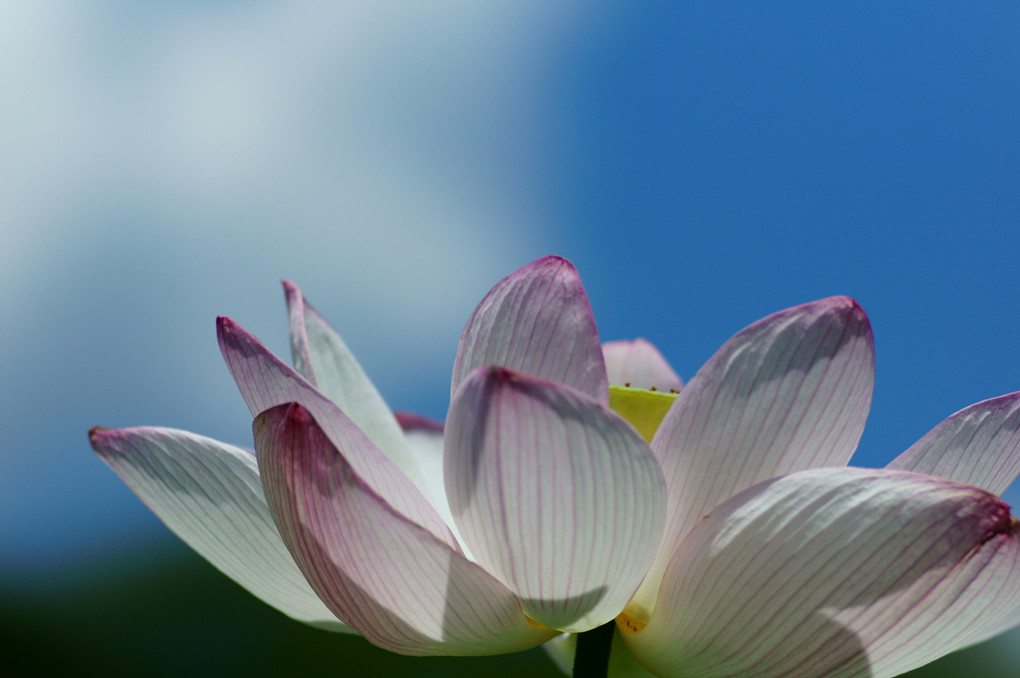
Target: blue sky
703,167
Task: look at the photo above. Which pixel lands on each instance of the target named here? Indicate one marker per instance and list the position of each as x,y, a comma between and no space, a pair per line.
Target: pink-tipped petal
787,393
979,445
554,494
536,320
209,494
412,421
265,381
833,572
639,364
396,583
322,357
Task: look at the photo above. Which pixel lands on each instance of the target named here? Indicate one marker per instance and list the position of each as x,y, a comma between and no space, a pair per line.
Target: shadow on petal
454,618
830,572
555,495
565,613
839,652
391,579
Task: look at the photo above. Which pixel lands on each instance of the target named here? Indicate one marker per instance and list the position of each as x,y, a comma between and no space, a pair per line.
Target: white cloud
366,136
163,162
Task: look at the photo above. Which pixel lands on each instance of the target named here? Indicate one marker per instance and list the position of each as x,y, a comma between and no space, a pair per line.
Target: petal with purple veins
393,581
991,628
834,572
979,445
554,493
536,320
425,441
209,494
322,357
265,381
789,392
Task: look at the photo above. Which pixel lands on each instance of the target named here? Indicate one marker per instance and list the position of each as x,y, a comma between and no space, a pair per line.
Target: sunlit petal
322,357
536,320
554,493
209,494
834,572
789,392
396,583
979,445
266,381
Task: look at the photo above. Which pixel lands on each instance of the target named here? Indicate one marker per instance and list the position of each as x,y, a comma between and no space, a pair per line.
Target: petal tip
853,309
552,263
1007,525
552,259
225,325
296,414
290,289
97,434
231,334
411,421
848,311
840,303
496,376
501,374
284,415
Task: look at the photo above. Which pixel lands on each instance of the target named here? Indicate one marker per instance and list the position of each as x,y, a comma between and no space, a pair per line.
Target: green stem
591,659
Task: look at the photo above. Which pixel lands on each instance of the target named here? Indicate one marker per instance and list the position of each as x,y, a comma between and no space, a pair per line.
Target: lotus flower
716,522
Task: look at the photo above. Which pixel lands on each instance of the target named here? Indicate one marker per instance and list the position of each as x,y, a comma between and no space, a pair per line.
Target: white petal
322,357
789,392
834,572
639,364
400,586
536,320
979,445
425,441
265,381
209,494
554,494
993,628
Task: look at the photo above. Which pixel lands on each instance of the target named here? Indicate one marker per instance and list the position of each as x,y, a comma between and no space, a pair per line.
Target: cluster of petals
716,521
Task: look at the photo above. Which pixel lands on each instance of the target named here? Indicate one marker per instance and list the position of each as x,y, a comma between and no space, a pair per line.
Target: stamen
628,624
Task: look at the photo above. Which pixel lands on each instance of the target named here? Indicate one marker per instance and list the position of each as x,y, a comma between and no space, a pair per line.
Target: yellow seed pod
642,409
